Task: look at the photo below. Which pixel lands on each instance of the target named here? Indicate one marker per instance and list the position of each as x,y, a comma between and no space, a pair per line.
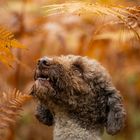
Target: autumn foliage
7,41
10,105
30,29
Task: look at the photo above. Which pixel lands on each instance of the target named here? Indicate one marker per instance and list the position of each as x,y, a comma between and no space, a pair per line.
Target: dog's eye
77,72
77,69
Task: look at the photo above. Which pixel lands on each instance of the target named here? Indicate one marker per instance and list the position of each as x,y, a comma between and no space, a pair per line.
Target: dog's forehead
72,59
69,58
66,60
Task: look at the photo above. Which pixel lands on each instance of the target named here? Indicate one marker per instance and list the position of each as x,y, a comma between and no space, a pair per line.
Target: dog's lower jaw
67,129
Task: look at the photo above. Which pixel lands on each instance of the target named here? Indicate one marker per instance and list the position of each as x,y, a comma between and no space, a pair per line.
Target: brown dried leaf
10,106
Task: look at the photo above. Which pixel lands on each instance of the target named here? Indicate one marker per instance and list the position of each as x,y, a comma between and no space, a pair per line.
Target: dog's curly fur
77,95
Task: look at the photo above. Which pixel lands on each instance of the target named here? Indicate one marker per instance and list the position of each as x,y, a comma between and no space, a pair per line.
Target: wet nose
43,62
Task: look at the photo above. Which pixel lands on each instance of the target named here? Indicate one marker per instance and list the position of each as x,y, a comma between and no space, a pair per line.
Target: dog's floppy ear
115,112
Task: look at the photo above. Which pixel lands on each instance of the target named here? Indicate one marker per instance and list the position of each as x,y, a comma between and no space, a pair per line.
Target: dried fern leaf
7,41
122,36
128,16
6,56
10,106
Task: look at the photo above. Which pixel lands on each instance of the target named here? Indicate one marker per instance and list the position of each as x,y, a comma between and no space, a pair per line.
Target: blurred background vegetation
114,45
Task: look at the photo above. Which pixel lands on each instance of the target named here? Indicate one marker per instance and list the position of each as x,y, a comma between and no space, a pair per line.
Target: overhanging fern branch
128,16
7,41
10,106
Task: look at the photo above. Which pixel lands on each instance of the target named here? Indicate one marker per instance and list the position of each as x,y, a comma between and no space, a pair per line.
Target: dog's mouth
42,78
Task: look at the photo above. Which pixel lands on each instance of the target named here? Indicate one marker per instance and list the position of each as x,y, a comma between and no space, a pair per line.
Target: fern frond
7,41
129,16
118,36
10,106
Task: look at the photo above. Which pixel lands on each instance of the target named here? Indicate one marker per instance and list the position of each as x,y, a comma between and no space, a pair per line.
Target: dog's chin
42,89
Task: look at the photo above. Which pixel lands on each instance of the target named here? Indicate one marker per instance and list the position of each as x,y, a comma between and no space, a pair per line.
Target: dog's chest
68,129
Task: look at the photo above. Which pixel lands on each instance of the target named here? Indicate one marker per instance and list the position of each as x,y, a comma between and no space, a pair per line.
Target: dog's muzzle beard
41,89
43,85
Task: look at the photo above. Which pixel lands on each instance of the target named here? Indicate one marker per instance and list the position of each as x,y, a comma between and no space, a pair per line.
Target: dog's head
61,78
82,87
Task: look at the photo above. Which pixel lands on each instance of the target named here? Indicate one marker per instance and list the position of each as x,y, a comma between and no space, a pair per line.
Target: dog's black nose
43,62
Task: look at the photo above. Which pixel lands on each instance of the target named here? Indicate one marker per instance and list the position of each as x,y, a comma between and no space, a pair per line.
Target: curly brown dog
77,96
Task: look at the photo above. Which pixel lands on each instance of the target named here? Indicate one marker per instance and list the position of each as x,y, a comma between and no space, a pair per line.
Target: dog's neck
67,129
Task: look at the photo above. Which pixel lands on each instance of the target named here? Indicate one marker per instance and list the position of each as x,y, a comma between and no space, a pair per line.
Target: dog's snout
42,62
45,61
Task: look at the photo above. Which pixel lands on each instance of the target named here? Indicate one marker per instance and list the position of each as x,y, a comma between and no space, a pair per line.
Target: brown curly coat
77,95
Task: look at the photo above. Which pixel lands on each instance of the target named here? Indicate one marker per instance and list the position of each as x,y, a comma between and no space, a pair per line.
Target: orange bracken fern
128,16
7,41
10,106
